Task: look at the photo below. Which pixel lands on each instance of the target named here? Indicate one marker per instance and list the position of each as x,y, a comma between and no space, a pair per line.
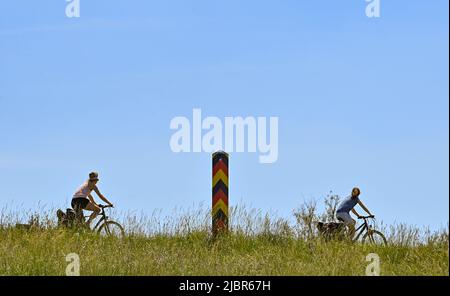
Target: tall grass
258,243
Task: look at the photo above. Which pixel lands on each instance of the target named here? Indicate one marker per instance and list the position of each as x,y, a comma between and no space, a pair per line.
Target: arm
91,198
356,213
364,207
102,197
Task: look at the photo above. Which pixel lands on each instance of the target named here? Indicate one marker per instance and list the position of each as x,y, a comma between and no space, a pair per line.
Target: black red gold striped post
219,192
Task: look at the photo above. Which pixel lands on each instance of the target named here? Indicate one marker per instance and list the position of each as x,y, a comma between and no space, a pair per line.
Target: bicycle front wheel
111,228
374,237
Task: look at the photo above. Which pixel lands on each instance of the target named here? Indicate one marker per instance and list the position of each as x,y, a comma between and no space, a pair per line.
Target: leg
78,204
351,228
95,211
348,221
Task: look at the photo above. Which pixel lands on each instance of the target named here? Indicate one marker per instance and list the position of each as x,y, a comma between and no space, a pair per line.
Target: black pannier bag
331,230
66,219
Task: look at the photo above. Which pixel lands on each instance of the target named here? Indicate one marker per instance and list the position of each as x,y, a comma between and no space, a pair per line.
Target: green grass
256,245
43,252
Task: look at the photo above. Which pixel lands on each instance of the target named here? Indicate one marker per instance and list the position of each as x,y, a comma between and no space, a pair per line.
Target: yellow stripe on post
220,175
220,205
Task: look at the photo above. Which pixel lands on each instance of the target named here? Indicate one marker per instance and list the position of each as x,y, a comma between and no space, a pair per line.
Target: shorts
344,216
80,203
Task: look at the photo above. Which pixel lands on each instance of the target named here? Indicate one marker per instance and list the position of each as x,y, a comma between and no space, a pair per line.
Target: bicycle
371,235
365,232
105,226
108,227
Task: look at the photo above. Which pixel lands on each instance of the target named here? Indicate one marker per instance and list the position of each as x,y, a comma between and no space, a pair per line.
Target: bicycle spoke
111,228
375,238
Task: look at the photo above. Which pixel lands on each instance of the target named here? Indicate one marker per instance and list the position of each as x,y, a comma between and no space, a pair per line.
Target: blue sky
361,101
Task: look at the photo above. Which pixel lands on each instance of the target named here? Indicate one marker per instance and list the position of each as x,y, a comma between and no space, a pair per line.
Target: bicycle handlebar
104,206
366,217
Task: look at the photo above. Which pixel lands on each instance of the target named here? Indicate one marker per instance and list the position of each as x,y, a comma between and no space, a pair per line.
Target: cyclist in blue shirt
347,205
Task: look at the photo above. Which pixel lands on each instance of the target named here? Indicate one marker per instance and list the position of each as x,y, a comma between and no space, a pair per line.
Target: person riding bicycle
347,205
83,200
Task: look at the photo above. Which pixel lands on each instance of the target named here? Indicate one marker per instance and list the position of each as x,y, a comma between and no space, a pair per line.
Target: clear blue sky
360,101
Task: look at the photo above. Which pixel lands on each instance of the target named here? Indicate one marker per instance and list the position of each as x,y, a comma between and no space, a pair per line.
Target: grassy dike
43,252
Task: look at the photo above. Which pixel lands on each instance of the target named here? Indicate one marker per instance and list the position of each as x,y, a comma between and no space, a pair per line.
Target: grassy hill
256,245
43,252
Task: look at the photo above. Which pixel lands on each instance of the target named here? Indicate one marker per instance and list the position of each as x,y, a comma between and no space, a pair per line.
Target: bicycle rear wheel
374,237
111,228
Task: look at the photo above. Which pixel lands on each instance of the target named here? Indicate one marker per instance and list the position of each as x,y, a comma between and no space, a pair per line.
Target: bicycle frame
103,218
362,228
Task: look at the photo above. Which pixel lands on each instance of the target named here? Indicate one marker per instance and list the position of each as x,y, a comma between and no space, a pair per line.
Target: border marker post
219,192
